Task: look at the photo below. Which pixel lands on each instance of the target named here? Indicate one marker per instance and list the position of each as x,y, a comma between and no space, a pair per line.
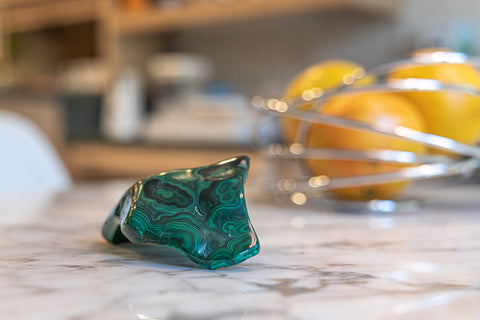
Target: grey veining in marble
314,265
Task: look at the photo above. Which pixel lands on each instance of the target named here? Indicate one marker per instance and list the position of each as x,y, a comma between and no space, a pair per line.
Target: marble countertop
425,264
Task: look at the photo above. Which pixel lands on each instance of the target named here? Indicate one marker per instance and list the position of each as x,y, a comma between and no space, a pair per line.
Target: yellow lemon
320,77
449,113
369,108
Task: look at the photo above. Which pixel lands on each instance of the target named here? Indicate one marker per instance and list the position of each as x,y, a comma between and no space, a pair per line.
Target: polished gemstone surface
201,212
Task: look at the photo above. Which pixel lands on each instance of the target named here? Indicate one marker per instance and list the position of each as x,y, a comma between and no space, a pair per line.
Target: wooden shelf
43,14
208,13
96,160
9,4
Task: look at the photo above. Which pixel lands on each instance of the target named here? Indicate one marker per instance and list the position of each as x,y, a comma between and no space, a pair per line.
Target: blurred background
125,88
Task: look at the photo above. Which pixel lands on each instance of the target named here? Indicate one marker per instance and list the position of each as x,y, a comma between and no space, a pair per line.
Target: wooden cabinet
115,26
114,29
114,22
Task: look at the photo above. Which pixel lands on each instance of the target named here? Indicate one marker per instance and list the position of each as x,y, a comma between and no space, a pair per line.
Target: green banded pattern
201,212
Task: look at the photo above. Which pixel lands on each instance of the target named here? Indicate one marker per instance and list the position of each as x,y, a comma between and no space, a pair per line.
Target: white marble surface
312,265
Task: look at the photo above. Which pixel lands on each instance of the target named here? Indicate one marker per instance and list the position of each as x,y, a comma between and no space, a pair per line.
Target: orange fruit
323,76
449,113
369,108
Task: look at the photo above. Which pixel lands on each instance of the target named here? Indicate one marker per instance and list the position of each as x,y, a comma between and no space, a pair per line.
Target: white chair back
28,161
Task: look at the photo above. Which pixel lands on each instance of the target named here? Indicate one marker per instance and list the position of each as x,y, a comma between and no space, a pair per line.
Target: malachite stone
201,212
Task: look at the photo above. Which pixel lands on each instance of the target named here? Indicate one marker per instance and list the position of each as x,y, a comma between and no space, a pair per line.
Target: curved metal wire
463,160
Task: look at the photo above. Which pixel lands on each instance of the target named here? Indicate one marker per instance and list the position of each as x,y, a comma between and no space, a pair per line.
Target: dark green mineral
201,212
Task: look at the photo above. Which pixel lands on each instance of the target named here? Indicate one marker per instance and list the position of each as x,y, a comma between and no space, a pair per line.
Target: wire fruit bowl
446,158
